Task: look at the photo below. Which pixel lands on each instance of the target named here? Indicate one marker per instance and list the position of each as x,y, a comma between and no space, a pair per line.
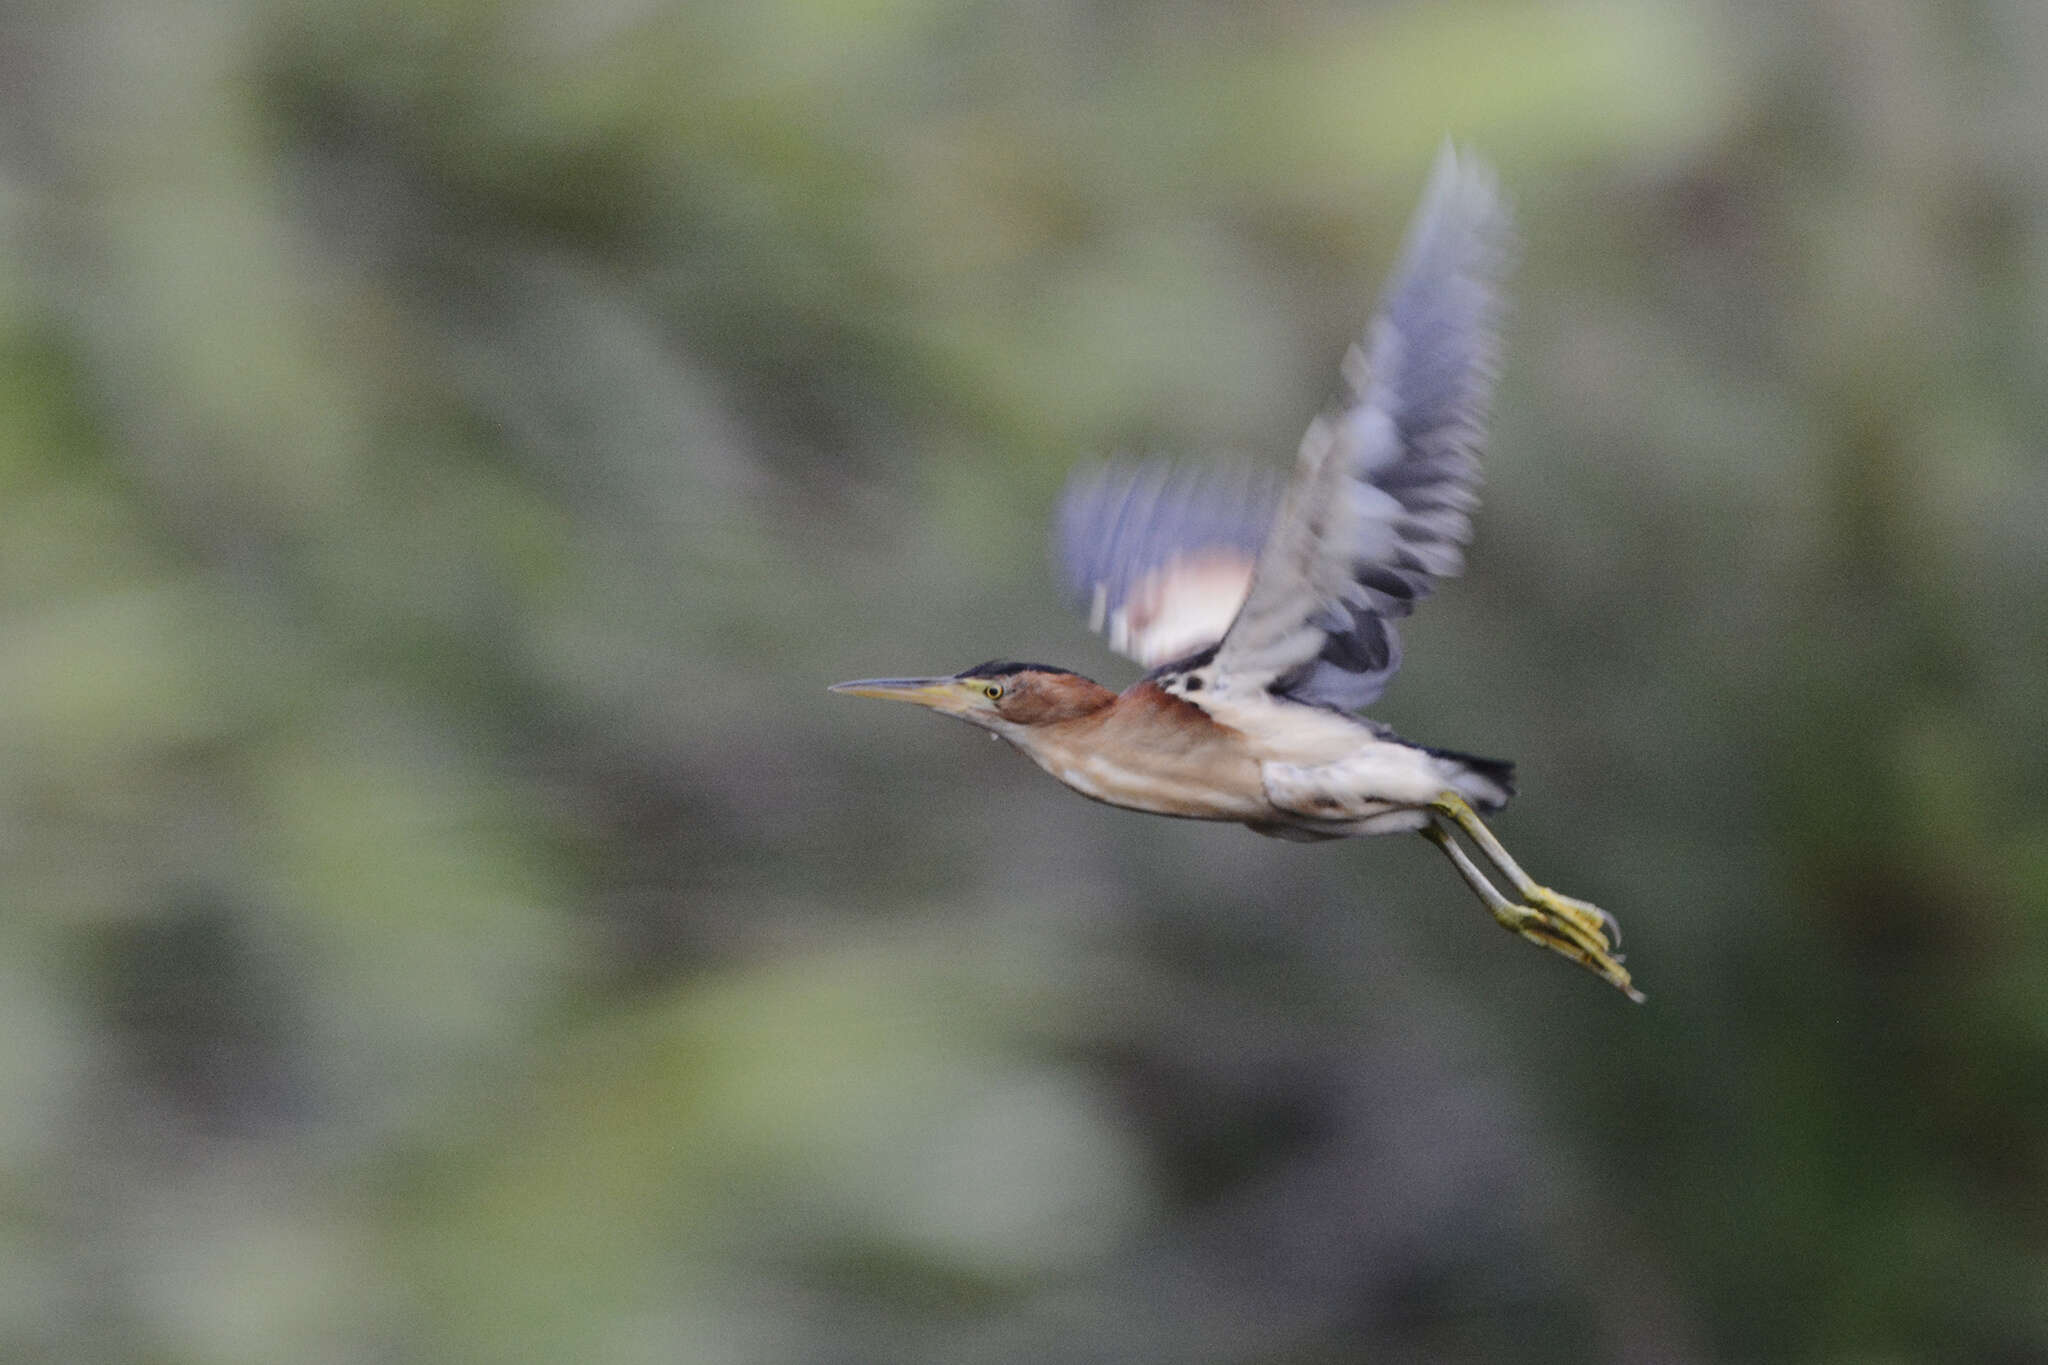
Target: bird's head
999,696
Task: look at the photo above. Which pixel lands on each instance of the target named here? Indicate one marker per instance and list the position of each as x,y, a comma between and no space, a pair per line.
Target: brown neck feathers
1047,698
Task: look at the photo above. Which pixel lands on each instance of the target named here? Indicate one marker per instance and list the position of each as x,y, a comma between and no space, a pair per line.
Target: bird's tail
1485,782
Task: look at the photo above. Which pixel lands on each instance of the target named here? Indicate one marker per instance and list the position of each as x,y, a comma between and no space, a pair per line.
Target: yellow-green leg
1524,920
1578,929
1542,897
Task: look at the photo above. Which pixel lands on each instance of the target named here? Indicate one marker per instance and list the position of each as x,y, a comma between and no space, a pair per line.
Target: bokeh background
447,446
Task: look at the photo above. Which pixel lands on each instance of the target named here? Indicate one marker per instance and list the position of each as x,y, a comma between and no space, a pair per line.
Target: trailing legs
1578,929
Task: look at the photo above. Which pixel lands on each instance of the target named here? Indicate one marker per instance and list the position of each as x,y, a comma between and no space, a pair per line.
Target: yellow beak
937,692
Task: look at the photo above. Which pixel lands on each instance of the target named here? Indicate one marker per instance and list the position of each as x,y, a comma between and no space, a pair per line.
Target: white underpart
1381,789
1331,767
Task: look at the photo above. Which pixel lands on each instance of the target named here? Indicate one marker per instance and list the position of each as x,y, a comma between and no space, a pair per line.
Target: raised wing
1379,505
1161,557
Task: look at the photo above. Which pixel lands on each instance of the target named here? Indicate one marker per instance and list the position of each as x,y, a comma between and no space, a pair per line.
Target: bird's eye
993,691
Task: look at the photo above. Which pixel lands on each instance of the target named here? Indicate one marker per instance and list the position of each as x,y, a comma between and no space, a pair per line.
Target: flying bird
1267,616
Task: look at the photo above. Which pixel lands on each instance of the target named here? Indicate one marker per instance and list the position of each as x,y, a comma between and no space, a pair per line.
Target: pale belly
1351,783
1268,766
1191,790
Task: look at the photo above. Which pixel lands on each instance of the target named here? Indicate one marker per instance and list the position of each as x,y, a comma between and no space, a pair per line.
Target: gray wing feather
1380,504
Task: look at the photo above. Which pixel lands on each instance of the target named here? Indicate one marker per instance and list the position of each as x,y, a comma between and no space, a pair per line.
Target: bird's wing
1161,556
1379,505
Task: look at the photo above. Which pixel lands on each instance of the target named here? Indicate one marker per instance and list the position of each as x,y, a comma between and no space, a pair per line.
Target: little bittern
1267,616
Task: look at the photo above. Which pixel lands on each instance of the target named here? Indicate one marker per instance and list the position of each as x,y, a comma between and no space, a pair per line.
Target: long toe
1583,913
1567,935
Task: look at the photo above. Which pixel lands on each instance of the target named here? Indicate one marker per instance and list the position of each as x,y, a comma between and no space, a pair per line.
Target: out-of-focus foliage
446,447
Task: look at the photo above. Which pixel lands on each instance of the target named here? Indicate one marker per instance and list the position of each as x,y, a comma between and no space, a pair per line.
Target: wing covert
1160,557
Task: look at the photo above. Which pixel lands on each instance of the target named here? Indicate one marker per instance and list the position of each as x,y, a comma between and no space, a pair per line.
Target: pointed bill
922,691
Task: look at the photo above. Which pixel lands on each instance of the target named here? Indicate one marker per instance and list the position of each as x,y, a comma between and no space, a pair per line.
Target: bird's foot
1576,929
1585,914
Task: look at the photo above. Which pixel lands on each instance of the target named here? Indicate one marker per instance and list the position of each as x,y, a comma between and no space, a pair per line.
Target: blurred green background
447,447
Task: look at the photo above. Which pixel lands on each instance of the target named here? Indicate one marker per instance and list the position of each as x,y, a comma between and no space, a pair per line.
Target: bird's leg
1582,943
1584,913
1520,918
1558,935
